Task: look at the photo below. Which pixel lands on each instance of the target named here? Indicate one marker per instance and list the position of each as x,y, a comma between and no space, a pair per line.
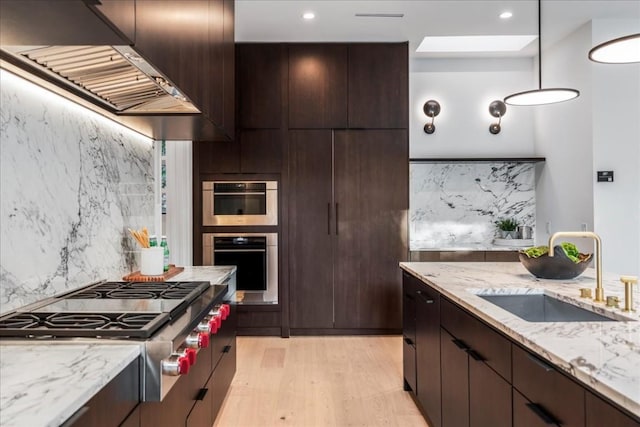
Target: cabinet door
260,151
555,396
378,86
317,86
214,62
310,272
428,352
523,415
455,382
121,14
409,288
179,47
600,413
229,69
258,83
371,202
489,396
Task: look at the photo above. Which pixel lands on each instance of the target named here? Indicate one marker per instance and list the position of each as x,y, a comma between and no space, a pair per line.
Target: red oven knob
203,340
190,354
213,325
226,311
183,365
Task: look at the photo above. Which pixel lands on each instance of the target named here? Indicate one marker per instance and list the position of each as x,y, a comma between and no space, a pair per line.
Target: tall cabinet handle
336,218
329,218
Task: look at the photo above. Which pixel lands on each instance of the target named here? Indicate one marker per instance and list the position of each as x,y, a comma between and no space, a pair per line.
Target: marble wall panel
72,182
454,205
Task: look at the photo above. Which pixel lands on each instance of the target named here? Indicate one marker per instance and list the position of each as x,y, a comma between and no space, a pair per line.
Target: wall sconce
431,108
497,109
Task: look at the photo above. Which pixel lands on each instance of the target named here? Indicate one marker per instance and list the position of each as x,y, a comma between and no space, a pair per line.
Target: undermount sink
543,308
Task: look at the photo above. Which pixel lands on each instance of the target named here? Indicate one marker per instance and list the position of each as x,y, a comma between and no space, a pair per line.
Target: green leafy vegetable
536,251
572,252
569,249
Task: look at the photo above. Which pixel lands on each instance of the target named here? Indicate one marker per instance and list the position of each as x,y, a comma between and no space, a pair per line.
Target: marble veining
44,384
602,355
72,182
456,204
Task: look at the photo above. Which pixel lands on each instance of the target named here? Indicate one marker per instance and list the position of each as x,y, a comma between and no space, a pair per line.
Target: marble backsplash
72,181
454,205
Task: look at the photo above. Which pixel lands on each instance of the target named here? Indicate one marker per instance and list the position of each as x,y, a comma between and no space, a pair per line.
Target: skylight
474,43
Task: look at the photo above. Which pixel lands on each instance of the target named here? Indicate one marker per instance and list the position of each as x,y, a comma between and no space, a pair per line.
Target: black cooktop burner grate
137,325
187,291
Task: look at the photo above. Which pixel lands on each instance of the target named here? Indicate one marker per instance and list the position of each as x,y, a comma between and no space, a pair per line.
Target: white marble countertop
44,383
605,356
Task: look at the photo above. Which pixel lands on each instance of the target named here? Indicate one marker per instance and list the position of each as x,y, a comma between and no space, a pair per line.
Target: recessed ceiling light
308,15
506,15
474,43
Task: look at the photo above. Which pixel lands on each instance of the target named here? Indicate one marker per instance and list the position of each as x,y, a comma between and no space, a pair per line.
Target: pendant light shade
623,50
541,96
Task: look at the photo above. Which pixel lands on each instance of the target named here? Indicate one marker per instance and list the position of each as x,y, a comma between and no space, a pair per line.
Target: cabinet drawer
488,344
409,363
600,413
544,386
523,415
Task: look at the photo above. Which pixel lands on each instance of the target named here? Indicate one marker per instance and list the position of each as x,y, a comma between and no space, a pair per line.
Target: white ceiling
281,21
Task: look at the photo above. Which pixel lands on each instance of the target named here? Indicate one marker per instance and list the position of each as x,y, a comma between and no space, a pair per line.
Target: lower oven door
249,254
256,257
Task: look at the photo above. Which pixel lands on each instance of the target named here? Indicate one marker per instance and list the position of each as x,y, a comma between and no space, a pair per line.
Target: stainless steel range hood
113,76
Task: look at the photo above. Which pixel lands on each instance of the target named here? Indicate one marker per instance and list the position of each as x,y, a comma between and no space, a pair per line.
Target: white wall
465,88
616,147
564,136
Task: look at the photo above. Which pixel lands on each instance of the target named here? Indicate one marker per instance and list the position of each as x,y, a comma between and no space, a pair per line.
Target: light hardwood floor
319,381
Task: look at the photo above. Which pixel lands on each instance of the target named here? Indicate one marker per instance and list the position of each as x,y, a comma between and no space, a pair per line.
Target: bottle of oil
163,244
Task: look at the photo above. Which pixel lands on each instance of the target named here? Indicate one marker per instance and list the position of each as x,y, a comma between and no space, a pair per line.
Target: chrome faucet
588,234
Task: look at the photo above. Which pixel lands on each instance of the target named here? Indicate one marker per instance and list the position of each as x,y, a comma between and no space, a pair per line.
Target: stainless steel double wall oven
249,210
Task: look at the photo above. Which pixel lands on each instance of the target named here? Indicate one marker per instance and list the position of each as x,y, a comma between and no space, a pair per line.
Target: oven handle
239,250
248,193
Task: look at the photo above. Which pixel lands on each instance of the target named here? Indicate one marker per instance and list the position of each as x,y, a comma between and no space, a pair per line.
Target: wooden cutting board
173,270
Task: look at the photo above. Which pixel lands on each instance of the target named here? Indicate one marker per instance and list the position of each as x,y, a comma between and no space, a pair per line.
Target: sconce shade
497,109
623,50
541,96
431,108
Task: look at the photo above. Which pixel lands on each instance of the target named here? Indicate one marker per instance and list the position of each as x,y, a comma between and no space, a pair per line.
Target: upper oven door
240,203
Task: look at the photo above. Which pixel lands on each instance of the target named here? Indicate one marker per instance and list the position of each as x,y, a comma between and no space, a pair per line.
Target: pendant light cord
539,44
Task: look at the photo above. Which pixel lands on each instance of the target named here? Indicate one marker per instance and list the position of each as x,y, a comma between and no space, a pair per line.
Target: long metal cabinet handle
336,218
329,218
543,414
543,365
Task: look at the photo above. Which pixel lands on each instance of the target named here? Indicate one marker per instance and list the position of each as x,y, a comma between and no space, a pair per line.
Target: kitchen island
602,356
44,382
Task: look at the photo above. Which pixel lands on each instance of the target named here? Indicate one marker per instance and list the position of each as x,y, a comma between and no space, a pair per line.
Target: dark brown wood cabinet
259,85
486,379
476,371
454,370
318,86
428,353
115,404
410,286
600,413
378,86
187,41
348,202
550,394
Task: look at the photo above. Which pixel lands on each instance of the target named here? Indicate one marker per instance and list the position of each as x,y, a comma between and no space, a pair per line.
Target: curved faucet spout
599,297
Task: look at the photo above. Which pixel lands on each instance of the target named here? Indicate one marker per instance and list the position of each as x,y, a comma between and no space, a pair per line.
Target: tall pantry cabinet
348,164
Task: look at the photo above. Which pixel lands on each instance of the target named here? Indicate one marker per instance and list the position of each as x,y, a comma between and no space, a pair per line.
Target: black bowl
558,267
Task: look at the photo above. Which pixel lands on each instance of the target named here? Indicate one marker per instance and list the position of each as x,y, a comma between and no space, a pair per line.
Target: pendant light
541,96
623,50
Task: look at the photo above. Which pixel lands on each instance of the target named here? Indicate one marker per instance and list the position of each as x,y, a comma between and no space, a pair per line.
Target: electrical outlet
548,227
583,226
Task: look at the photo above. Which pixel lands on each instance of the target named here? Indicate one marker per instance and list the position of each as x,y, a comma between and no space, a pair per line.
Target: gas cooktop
106,309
